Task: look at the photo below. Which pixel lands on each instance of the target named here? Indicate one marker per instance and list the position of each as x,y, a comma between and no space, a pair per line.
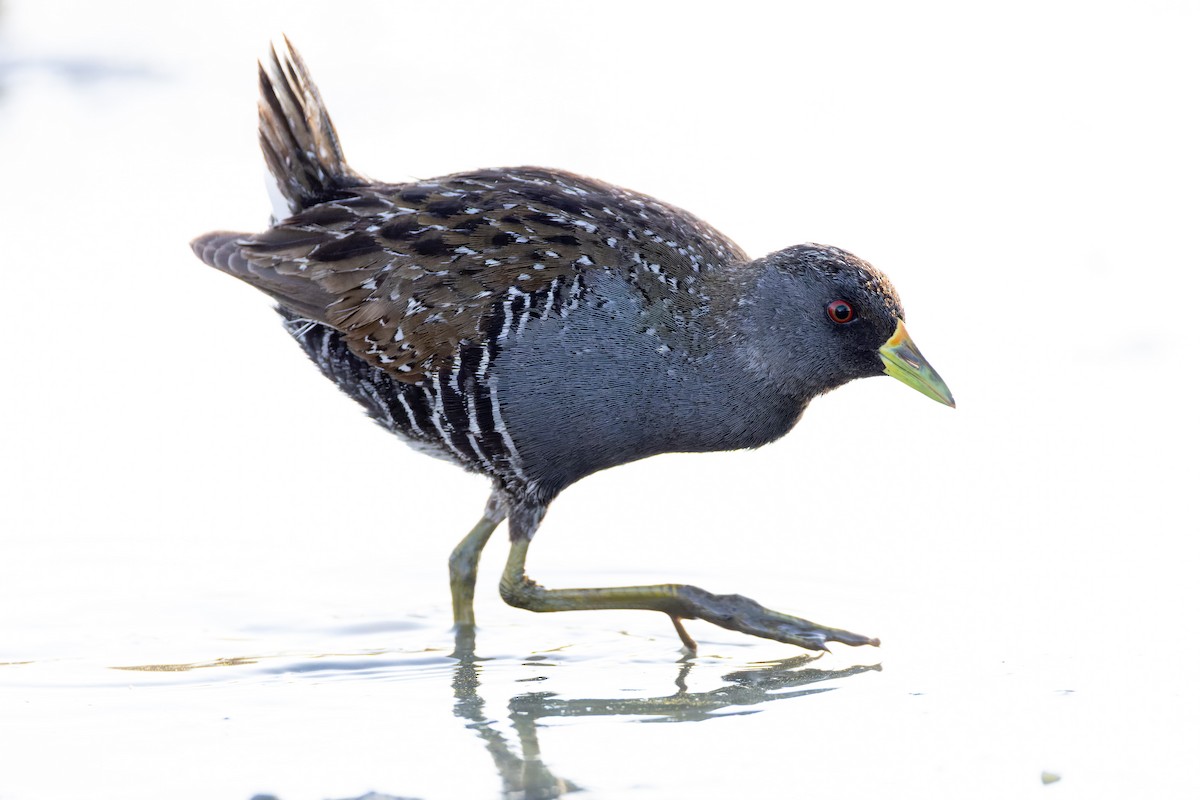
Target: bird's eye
840,311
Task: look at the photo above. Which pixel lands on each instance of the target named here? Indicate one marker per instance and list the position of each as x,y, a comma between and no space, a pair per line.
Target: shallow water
336,706
218,580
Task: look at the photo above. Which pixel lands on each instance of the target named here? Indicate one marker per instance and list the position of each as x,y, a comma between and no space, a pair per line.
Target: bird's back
408,273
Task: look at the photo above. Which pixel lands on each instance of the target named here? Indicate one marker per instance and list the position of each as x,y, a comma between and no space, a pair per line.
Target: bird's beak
904,362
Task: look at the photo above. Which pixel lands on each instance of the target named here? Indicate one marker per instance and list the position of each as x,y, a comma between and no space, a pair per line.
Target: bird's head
830,318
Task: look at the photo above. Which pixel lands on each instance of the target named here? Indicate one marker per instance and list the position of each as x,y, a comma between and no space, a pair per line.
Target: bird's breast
606,384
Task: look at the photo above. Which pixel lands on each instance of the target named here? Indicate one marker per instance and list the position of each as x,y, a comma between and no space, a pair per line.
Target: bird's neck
769,338
761,394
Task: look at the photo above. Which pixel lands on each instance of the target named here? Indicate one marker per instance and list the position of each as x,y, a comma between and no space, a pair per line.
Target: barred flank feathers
297,137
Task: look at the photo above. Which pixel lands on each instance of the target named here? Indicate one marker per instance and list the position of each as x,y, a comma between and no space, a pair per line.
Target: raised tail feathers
297,137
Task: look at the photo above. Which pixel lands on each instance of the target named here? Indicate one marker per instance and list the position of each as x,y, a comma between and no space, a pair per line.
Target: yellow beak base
904,362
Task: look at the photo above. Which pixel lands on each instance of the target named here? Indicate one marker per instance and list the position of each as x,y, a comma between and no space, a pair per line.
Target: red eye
840,311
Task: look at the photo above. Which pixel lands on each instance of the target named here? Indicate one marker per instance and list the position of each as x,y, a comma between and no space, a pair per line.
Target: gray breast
600,386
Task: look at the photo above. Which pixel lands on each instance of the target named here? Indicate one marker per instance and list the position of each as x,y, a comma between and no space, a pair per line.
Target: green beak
904,362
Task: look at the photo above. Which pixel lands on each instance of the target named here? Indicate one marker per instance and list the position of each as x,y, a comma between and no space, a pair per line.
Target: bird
537,326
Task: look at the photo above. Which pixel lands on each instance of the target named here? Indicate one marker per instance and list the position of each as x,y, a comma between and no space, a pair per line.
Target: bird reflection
523,774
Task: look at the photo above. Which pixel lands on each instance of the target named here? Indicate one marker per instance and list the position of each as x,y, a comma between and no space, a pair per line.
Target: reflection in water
525,777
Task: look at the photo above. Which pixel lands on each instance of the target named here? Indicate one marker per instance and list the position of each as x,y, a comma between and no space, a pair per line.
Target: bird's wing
413,272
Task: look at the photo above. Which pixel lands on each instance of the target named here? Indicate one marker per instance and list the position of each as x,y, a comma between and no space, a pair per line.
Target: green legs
464,563
678,601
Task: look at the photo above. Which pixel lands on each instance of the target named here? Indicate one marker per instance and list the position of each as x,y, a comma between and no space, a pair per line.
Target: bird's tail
297,137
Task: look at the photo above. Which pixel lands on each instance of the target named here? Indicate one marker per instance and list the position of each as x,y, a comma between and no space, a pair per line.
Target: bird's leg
678,601
464,563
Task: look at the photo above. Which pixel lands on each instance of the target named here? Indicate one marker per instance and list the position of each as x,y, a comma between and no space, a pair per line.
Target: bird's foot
738,613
